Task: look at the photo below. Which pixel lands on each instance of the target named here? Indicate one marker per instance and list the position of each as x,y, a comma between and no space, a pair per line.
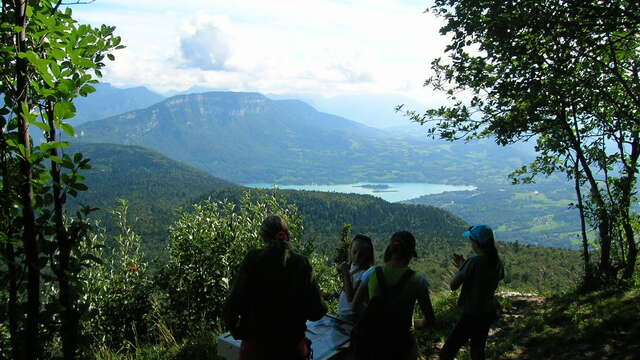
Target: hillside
438,235
250,138
153,184
600,325
538,214
157,186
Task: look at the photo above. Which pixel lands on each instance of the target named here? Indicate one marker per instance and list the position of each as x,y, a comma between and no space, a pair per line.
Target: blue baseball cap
481,234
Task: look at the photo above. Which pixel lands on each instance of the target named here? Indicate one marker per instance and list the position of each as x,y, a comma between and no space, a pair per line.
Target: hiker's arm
361,297
347,284
233,305
460,275
427,310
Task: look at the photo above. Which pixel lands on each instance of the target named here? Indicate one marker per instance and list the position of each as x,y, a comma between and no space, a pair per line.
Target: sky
322,47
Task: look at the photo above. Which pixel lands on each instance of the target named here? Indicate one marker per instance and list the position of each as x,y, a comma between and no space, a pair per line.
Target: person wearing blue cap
479,276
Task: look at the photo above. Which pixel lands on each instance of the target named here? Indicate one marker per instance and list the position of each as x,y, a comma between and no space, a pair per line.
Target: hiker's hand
458,260
344,268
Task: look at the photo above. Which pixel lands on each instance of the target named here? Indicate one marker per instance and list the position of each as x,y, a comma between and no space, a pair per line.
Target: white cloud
281,46
206,49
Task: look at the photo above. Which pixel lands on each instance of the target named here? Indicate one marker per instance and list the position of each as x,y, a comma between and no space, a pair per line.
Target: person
361,258
479,277
386,298
272,297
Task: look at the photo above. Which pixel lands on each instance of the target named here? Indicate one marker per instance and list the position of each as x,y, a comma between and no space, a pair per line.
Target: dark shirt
273,296
479,286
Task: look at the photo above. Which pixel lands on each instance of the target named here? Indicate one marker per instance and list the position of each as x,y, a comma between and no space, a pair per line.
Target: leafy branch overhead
562,74
47,60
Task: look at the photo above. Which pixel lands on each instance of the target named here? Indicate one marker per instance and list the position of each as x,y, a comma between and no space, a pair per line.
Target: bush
118,291
206,248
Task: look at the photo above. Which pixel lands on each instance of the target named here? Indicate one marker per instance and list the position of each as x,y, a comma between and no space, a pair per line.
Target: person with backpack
273,296
386,299
479,276
361,258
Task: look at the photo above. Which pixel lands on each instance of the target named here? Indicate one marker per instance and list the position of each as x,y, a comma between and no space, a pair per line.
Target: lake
392,192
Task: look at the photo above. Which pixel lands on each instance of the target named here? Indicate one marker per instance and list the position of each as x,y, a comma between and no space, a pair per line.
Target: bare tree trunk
628,184
602,214
69,317
28,214
583,228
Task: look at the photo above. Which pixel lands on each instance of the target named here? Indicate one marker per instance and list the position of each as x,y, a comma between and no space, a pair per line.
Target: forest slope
154,185
158,187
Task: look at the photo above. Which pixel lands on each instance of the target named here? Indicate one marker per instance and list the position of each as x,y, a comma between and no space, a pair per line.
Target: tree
563,73
47,61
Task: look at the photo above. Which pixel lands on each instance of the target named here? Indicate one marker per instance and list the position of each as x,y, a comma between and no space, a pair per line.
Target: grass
600,325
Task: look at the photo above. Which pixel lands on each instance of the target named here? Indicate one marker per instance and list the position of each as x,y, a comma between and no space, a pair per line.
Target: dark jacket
273,296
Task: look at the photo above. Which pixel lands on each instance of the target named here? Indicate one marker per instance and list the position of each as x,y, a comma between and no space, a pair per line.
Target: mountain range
247,138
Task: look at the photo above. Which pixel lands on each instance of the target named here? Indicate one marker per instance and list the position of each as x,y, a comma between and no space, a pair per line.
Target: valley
247,138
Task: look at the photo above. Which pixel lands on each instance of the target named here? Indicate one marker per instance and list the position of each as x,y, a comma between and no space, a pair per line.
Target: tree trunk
28,215
605,268
583,227
10,255
68,316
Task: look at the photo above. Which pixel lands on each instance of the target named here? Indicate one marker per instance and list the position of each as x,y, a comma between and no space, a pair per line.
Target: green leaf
91,257
64,110
42,126
68,129
86,90
57,54
80,186
44,147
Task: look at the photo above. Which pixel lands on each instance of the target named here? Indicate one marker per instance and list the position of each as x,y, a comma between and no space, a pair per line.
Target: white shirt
345,307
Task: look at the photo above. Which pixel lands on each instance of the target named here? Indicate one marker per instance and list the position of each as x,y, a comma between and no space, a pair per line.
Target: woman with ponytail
273,296
479,277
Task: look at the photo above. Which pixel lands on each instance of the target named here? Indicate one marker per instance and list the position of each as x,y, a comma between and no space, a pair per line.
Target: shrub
206,248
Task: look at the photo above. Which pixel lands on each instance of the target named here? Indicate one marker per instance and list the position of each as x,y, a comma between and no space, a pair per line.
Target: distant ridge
109,100
247,138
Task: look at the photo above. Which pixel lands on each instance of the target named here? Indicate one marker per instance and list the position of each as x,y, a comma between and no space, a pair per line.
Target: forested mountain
108,100
154,185
325,213
248,138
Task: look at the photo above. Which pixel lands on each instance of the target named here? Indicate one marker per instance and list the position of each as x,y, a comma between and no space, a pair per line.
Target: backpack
383,331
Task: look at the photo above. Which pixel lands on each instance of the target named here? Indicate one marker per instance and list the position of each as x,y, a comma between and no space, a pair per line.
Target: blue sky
325,48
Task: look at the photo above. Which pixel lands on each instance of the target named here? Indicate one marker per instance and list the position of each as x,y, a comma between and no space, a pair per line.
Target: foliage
564,74
155,187
119,291
342,251
47,60
206,248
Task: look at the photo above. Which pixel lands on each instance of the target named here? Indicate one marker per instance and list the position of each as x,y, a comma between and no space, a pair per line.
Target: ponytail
275,232
492,253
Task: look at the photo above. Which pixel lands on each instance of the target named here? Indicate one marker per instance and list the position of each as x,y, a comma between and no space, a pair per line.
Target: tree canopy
563,74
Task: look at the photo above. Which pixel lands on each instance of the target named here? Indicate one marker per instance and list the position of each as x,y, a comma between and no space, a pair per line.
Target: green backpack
383,331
